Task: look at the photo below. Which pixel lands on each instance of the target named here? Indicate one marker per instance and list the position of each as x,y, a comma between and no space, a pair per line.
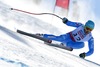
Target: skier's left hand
82,55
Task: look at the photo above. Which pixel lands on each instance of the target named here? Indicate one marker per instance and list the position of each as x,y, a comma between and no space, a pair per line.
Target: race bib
78,34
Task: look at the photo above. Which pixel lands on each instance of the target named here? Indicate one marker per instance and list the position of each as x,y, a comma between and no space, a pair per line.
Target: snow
17,50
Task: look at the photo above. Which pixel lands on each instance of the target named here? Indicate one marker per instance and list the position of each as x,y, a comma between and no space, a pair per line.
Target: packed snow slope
18,50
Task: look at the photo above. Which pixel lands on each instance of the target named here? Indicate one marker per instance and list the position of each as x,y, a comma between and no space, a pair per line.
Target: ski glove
82,55
64,20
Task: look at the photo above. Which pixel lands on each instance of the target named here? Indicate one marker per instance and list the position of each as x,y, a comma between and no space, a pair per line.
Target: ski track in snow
24,51
14,62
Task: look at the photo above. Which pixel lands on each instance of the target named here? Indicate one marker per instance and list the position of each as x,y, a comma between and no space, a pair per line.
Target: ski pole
36,13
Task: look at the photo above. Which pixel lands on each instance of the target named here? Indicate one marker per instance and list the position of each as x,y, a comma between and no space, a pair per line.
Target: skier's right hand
64,20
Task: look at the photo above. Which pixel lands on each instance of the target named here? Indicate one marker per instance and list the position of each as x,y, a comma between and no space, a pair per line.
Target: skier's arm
91,47
70,23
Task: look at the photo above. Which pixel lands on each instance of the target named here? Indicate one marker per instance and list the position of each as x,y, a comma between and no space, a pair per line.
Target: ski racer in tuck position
74,39
77,37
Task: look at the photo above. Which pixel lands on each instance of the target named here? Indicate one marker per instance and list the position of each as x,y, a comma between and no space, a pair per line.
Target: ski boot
62,44
38,34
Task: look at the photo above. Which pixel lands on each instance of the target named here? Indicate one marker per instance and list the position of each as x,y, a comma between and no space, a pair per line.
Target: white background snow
17,50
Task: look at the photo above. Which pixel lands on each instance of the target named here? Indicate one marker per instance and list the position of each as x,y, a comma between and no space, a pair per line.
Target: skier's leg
60,38
76,45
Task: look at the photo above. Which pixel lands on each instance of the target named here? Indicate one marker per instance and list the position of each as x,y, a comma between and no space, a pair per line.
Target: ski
60,46
34,36
48,42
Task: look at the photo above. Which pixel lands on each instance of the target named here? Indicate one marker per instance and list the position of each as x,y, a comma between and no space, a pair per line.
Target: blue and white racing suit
75,38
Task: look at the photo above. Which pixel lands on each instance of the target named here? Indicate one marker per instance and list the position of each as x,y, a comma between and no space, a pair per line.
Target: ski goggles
88,29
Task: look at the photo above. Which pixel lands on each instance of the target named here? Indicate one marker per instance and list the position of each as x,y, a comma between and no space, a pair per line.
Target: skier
77,37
